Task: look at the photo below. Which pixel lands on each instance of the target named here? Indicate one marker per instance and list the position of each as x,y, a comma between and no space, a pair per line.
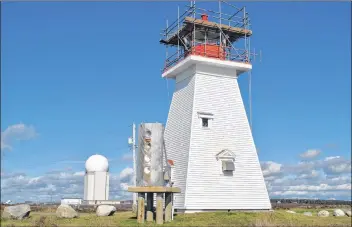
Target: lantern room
209,33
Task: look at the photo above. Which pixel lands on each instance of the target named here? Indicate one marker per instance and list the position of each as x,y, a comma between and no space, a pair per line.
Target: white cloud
332,157
321,187
300,167
345,195
271,168
335,165
4,146
58,184
14,133
281,193
124,186
339,168
324,178
126,174
312,174
312,153
80,173
338,180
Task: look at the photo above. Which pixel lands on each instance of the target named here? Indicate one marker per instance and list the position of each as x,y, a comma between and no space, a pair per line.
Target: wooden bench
159,190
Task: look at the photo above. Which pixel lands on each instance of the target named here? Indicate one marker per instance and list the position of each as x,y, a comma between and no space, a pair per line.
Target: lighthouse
207,134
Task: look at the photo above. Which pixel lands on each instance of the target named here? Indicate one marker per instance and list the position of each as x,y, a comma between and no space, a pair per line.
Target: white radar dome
97,163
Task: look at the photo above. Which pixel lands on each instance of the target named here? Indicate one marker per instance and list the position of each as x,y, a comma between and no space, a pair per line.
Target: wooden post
159,208
150,206
168,206
140,208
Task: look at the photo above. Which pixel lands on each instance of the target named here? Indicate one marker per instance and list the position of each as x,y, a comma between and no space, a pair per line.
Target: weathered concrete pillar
150,202
141,209
168,206
159,208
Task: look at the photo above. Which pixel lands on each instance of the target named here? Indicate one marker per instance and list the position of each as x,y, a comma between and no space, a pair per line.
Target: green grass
276,218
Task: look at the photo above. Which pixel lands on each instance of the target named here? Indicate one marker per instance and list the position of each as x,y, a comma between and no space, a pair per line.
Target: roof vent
204,17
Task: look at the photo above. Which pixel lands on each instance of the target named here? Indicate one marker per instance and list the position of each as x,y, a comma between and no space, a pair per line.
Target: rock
18,212
290,211
66,211
323,213
339,213
105,210
307,213
348,213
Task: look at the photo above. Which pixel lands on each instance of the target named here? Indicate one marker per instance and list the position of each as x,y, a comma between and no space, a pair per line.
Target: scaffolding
209,33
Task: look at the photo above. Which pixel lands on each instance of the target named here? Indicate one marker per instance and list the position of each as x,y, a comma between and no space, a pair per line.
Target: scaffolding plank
233,32
157,189
214,25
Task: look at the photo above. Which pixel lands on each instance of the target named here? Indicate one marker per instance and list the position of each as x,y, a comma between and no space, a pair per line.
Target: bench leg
150,206
168,206
159,208
140,208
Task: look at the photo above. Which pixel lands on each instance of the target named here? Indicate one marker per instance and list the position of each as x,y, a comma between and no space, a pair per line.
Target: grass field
276,218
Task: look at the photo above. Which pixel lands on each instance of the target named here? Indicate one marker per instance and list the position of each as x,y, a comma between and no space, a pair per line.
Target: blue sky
75,76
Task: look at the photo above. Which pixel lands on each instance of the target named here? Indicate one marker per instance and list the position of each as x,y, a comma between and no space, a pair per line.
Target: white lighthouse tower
207,133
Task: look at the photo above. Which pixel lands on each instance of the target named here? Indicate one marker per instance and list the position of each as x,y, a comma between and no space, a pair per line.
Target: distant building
127,202
101,202
71,201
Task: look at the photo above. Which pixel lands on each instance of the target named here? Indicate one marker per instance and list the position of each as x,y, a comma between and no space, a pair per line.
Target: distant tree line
312,201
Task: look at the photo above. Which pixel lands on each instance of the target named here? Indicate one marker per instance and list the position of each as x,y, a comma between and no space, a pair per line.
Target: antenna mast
132,143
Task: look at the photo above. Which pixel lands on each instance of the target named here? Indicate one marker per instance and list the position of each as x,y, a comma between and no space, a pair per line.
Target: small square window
205,122
205,119
228,166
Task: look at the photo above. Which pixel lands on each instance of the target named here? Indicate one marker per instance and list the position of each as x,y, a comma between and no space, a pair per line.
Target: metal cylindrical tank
150,155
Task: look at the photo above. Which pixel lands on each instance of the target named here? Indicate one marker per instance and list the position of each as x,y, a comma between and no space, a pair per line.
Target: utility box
150,156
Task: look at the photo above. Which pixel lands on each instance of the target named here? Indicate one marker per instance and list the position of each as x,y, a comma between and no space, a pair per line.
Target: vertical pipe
250,98
220,27
260,55
173,209
254,54
167,52
249,49
134,161
178,32
166,63
245,33
205,43
194,25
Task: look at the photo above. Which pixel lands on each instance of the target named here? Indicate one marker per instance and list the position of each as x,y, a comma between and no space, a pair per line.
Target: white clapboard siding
213,90
178,131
